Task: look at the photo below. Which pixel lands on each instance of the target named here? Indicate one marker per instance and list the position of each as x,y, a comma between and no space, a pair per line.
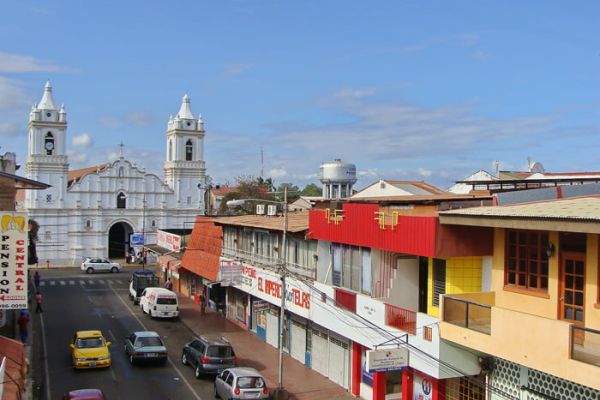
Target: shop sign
267,286
230,272
387,359
168,240
13,260
136,239
422,388
260,306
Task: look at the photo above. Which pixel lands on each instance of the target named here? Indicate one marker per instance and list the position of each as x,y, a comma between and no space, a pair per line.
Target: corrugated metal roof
419,198
581,208
297,221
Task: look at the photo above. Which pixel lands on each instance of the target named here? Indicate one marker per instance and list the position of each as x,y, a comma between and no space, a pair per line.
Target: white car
241,383
91,265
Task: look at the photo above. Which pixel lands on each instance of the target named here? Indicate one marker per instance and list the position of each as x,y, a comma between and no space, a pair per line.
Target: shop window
465,388
526,261
439,280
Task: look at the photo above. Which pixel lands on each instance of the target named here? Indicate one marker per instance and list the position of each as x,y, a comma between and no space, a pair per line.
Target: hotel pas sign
13,260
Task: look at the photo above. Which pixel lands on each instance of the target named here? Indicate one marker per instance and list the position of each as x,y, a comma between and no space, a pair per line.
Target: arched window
189,150
121,172
170,155
49,143
121,200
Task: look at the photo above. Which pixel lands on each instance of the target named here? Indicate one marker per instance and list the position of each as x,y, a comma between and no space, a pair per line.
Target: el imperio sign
13,260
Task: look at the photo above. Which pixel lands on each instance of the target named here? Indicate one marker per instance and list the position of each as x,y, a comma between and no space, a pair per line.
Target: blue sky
408,90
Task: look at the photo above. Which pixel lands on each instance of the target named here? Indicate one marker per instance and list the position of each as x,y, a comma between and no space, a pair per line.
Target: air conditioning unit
271,209
260,209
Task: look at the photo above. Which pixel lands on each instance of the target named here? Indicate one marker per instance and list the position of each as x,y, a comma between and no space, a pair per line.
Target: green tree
247,187
312,190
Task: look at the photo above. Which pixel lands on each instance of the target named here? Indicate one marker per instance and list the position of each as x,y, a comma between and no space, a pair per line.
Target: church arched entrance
118,240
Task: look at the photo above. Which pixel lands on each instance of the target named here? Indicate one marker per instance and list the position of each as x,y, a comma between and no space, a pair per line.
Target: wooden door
572,288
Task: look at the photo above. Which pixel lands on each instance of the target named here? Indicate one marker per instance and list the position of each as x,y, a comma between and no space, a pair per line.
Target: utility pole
281,393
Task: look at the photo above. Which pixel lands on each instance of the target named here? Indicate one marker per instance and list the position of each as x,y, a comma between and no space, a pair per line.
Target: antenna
121,145
262,161
497,165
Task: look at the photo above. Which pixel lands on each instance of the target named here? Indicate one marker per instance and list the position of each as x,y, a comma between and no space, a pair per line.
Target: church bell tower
47,160
185,171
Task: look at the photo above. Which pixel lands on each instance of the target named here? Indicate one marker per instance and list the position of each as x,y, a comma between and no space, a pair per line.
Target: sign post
13,261
387,359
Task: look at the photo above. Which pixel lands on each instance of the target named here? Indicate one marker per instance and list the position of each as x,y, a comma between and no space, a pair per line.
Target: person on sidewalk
38,302
36,279
23,322
169,284
202,304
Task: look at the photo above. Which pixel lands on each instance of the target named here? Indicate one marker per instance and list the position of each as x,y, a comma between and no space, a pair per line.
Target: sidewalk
301,382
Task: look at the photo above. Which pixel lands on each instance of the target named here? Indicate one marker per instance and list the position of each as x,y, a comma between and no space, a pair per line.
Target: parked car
140,280
85,394
89,349
159,303
96,264
208,355
145,346
241,383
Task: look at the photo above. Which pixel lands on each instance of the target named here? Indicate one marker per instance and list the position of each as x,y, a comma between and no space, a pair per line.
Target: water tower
337,178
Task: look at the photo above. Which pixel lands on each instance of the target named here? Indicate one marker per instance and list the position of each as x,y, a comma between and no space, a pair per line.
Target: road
76,301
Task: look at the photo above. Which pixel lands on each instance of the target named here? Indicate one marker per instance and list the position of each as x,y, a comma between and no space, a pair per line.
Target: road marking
42,283
112,370
102,281
52,283
71,282
187,383
82,282
47,377
91,282
63,283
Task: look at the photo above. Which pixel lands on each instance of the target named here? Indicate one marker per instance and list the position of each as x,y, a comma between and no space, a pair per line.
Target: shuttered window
439,280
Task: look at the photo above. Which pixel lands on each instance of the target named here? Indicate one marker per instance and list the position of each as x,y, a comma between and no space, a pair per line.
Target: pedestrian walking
36,279
202,304
23,322
169,284
38,302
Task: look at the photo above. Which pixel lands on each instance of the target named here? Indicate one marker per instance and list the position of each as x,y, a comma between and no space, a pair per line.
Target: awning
154,248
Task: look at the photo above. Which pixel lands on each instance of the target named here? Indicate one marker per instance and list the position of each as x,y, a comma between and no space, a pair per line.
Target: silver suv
96,264
241,383
208,355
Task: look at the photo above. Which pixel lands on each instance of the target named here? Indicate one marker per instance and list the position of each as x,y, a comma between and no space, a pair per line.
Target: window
88,224
189,200
351,268
121,172
153,223
526,262
170,155
121,200
189,150
439,280
48,198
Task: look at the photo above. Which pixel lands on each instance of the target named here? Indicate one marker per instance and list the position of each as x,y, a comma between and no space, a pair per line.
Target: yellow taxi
89,349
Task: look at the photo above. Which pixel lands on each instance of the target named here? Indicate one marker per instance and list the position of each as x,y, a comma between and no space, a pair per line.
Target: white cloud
12,95
424,172
17,63
10,129
139,119
83,140
109,122
277,173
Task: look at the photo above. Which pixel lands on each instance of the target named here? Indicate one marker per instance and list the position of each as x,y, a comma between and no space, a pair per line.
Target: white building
93,211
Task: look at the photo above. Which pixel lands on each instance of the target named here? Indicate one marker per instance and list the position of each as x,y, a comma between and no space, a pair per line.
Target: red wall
417,235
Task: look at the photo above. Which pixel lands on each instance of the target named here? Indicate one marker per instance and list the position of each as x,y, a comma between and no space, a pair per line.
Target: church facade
110,209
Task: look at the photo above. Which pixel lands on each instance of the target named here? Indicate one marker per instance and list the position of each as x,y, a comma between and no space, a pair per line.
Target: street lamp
143,198
280,392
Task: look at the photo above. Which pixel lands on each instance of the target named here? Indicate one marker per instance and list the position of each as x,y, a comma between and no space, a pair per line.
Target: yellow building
538,327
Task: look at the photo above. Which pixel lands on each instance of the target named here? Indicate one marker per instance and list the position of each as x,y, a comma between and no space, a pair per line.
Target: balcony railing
267,262
585,345
401,318
468,314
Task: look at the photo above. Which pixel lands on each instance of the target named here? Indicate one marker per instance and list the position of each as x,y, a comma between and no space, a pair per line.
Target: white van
159,303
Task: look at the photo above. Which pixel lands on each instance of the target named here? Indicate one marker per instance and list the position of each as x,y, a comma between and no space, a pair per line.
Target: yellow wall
547,306
463,275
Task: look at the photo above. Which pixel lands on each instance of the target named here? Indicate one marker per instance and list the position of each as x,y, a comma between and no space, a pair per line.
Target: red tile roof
203,251
75,174
16,367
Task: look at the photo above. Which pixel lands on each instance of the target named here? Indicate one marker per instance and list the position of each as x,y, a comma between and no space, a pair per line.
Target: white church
94,211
